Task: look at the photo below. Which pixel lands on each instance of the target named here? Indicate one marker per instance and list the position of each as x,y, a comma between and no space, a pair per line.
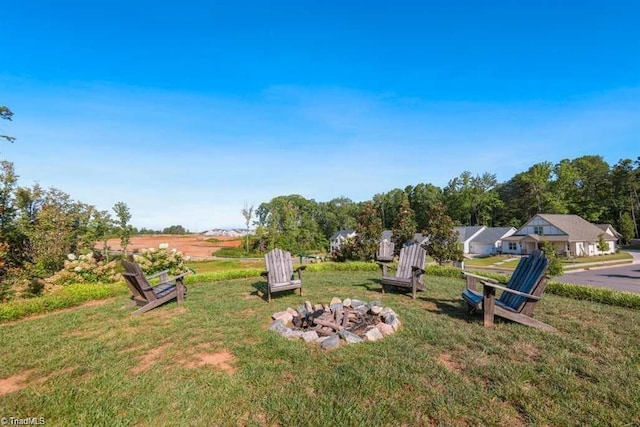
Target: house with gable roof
466,234
336,240
482,240
489,240
571,235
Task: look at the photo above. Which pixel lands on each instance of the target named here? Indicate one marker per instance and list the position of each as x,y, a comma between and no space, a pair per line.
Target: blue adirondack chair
518,298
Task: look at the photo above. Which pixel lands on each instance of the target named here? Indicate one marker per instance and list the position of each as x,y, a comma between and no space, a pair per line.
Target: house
336,240
608,228
571,235
489,240
466,234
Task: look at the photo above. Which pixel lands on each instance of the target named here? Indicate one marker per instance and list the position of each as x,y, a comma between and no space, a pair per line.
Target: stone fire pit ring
348,321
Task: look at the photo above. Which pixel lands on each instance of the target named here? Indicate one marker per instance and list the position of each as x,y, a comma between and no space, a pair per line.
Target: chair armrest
511,291
418,269
153,276
482,278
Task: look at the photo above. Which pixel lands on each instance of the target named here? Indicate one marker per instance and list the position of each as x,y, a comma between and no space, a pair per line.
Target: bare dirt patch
195,246
14,383
148,359
447,362
25,379
221,360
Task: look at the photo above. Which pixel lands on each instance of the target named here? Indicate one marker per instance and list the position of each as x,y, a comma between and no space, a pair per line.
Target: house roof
491,235
574,227
343,234
605,227
465,233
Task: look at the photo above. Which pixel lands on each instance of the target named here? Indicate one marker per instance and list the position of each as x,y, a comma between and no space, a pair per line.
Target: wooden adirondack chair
409,271
518,299
148,297
280,272
385,251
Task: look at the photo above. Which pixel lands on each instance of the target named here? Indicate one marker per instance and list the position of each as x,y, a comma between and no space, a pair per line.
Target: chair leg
488,306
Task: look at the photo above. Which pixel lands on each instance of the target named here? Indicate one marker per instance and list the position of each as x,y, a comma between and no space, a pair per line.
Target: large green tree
442,244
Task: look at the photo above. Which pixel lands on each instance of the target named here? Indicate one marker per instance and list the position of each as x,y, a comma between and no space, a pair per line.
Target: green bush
84,269
154,260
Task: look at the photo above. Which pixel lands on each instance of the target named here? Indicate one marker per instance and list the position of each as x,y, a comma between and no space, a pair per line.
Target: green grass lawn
212,361
490,260
620,256
201,267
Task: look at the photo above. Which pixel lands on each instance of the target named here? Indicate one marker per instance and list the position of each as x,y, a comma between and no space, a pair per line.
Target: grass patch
224,265
214,359
620,256
237,253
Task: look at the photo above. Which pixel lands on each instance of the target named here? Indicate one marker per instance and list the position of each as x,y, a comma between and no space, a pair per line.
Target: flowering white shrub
84,269
154,260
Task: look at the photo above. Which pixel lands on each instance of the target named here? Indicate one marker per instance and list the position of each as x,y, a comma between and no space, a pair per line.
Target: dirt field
192,245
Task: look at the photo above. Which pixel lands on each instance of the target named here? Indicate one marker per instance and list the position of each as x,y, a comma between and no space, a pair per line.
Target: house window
512,246
538,229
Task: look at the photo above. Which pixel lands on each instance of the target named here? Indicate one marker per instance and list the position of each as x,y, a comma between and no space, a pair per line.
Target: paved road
622,278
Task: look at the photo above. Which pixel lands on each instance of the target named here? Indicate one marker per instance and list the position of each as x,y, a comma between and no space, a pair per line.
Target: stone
350,337
293,312
310,336
294,333
373,334
347,302
355,303
331,342
326,307
362,309
308,306
336,307
280,328
375,304
285,316
386,311
318,307
376,309
335,300
389,318
385,329
302,311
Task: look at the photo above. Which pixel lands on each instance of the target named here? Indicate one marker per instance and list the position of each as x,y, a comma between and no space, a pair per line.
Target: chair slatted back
279,266
385,250
410,256
136,280
525,278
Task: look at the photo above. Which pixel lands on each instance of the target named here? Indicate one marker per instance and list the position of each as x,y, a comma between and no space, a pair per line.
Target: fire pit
347,321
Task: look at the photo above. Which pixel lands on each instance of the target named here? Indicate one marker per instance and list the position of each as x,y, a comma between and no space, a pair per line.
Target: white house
336,240
571,235
466,234
489,240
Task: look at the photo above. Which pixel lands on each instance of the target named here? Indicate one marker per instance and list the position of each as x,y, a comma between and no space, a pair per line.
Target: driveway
622,278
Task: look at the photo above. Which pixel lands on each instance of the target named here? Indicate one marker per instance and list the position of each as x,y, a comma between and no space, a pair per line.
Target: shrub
84,269
154,260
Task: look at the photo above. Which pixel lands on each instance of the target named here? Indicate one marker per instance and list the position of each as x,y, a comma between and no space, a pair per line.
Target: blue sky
187,111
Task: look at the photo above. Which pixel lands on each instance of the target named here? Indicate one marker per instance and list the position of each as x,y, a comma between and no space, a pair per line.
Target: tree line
586,186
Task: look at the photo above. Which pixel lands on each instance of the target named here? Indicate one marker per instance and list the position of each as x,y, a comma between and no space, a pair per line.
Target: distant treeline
586,186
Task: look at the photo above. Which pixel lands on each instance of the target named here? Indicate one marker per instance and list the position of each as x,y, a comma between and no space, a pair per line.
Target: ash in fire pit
350,321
